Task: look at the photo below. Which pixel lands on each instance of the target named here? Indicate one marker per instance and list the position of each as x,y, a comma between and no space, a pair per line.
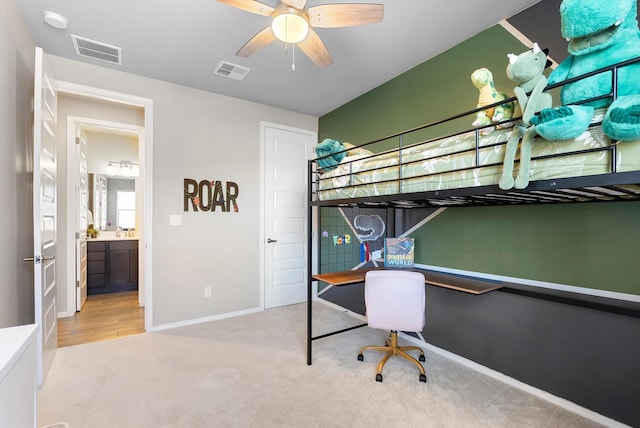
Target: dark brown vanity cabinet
112,266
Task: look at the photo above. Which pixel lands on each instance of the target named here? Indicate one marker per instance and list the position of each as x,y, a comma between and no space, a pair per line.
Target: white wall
198,135
103,147
16,145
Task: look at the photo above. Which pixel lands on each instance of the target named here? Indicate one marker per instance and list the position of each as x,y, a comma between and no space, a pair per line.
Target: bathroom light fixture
110,169
123,168
55,20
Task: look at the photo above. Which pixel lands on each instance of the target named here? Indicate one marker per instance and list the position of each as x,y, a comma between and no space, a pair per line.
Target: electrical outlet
207,291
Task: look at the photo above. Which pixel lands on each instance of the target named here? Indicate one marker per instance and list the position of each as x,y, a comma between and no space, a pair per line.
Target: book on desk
398,252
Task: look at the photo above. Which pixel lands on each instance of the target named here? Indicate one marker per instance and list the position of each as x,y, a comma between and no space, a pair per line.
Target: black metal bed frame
612,186
602,187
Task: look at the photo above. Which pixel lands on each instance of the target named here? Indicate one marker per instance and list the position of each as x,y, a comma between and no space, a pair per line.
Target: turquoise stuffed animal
331,153
600,33
482,79
527,70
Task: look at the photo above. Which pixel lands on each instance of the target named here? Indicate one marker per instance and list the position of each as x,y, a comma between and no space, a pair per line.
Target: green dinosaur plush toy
600,33
527,71
482,79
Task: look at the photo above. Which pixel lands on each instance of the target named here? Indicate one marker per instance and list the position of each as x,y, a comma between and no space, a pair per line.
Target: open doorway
105,230
135,136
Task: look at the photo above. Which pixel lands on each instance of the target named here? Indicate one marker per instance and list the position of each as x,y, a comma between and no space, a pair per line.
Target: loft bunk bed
464,169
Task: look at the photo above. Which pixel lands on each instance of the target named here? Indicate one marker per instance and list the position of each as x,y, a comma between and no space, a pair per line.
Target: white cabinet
18,376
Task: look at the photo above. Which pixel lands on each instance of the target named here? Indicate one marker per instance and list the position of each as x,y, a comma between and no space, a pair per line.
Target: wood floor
104,316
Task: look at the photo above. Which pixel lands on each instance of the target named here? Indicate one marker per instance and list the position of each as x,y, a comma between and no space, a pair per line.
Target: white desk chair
395,301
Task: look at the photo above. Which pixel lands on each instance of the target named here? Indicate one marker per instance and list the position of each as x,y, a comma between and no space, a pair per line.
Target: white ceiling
182,41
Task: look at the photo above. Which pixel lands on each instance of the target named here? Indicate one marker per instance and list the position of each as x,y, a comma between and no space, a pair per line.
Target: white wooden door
44,214
82,202
285,219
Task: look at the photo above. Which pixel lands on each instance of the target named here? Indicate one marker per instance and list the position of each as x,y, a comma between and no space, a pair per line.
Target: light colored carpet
251,371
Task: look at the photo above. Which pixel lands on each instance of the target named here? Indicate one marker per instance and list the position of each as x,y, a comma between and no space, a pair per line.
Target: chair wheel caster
360,357
423,378
421,358
379,378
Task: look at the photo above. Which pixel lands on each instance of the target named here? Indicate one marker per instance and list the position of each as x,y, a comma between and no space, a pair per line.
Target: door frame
79,238
261,235
75,123
145,148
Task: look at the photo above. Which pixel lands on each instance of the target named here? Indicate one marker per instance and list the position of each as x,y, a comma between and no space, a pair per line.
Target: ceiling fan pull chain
293,58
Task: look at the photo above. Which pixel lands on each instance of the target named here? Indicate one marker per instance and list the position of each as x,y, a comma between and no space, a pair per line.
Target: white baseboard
558,401
205,319
544,395
65,314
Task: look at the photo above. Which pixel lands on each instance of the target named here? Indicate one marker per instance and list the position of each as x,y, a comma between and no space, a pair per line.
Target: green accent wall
434,90
594,245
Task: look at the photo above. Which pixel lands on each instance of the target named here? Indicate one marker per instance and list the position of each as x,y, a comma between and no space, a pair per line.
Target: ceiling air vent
232,71
96,50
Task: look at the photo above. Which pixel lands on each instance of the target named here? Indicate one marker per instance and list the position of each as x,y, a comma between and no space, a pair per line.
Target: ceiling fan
293,24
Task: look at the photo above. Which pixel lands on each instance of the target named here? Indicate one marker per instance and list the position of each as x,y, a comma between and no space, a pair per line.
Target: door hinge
77,284
77,140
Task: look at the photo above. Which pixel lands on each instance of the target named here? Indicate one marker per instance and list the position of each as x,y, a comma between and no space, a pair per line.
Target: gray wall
17,51
198,135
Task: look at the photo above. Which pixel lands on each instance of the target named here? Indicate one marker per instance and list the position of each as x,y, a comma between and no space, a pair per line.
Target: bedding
450,163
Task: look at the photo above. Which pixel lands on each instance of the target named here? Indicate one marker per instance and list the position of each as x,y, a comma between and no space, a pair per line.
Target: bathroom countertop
111,238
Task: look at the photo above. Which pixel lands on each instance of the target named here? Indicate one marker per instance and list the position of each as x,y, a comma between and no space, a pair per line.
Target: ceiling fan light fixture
290,26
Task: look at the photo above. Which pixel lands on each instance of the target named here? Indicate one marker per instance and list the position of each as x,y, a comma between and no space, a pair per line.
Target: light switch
175,220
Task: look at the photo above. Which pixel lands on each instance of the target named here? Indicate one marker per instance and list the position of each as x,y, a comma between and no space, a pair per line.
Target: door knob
38,259
269,240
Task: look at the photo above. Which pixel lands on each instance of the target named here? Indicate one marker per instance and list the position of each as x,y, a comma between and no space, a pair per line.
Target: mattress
452,163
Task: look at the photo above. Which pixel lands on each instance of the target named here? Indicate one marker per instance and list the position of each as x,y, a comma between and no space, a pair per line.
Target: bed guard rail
457,196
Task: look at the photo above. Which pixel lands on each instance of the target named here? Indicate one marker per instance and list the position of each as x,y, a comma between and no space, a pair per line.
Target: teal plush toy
527,71
601,33
334,150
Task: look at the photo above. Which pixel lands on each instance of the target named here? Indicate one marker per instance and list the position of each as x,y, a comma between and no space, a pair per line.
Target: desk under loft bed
464,169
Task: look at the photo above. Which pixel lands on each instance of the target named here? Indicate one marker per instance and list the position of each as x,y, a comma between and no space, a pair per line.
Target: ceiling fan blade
257,42
252,6
313,47
345,15
298,4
